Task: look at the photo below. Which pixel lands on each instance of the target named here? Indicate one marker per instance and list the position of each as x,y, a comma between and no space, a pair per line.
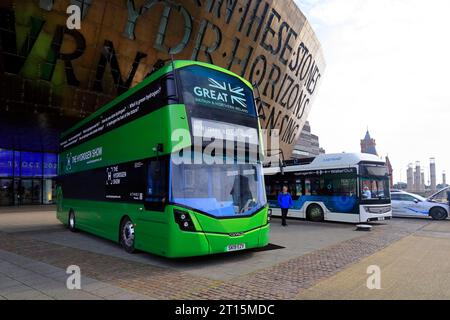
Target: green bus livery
131,172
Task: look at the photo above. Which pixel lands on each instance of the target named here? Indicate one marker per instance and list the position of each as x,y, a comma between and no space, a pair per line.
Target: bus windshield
223,190
374,188
374,183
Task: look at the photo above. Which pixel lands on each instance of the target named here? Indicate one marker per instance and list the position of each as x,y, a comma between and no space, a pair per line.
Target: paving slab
127,296
6,282
37,281
27,295
416,267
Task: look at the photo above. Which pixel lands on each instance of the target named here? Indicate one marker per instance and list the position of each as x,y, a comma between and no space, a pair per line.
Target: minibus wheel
127,236
438,213
72,221
315,213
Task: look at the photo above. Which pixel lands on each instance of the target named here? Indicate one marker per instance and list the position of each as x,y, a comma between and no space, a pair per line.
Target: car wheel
72,221
127,236
438,213
315,213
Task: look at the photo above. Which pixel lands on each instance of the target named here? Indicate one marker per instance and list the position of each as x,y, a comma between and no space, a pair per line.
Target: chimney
410,178
422,181
433,174
417,176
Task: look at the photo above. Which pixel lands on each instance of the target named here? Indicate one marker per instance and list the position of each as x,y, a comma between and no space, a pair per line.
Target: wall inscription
72,71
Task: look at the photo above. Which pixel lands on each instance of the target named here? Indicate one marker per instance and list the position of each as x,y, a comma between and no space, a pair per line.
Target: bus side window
299,187
328,186
315,187
156,195
273,187
307,187
293,189
270,187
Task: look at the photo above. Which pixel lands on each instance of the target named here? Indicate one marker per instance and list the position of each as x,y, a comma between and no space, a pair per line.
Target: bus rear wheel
315,213
127,236
72,221
438,213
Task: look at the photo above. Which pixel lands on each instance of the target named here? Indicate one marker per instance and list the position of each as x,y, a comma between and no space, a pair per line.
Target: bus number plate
236,247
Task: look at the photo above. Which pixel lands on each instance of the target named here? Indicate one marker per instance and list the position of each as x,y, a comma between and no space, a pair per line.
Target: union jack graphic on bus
224,86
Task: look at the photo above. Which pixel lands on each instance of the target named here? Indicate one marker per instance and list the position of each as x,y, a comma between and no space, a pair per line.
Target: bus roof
332,160
157,74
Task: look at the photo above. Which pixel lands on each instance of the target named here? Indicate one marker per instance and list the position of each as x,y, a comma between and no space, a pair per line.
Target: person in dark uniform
285,202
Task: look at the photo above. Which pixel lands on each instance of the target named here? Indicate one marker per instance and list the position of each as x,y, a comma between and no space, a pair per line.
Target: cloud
388,68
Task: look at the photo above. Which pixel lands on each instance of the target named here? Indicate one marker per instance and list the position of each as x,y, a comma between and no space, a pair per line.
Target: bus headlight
269,215
184,221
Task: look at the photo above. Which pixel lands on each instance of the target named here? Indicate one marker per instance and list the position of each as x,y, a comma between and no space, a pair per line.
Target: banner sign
203,87
326,171
125,182
27,164
144,101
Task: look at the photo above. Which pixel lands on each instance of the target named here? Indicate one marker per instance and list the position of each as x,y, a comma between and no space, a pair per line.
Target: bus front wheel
72,222
127,235
315,213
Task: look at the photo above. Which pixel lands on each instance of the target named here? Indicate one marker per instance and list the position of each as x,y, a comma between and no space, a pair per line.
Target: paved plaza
308,261
417,267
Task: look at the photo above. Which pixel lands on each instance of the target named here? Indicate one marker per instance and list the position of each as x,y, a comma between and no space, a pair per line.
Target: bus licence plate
236,247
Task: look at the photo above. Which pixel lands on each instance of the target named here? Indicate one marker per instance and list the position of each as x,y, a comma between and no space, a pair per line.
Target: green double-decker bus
171,167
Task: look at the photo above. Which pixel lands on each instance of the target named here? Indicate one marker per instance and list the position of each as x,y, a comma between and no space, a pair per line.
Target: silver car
405,204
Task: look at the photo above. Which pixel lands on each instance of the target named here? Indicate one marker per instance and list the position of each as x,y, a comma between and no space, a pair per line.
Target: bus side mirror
258,102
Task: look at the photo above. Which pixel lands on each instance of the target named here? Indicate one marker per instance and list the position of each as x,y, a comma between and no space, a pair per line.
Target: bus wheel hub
315,212
128,233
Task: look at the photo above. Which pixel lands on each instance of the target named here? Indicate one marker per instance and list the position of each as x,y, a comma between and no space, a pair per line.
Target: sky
388,69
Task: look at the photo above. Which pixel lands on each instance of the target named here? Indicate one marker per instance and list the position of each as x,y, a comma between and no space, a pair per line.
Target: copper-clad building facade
52,76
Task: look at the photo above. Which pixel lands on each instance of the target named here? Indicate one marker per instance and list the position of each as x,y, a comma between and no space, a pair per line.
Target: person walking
285,202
